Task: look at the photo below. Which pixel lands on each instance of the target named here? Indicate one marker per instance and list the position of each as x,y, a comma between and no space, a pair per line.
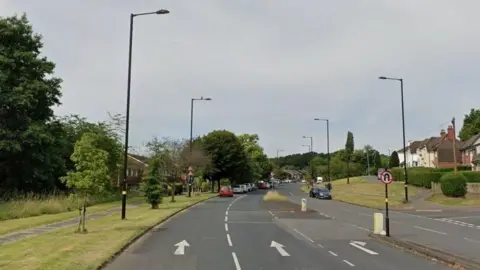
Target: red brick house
443,150
135,169
470,152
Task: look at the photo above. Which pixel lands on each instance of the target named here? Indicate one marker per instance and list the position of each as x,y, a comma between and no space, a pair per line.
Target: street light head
382,78
208,98
317,119
162,11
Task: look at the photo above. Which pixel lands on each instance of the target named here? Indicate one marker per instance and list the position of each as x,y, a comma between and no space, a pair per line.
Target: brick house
437,152
136,166
470,152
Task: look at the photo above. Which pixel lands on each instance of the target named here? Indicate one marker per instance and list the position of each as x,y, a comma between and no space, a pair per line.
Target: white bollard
378,224
304,205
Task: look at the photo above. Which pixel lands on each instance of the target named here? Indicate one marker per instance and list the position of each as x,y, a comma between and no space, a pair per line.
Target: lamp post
403,130
189,179
311,142
328,143
127,117
306,145
278,151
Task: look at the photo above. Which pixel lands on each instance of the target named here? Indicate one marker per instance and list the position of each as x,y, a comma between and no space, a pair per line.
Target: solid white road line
229,240
304,236
464,217
226,213
349,263
334,254
235,260
226,227
429,230
428,210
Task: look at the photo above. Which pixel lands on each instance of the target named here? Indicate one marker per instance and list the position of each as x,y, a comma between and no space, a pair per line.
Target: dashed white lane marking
458,222
320,245
334,254
229,240
273,215
325,215
349,263
235,260
226,213
226,227
304,236
361,228
226,218
429,230
472,240
363,214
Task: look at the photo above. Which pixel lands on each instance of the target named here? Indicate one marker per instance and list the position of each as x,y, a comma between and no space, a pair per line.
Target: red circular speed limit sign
386,177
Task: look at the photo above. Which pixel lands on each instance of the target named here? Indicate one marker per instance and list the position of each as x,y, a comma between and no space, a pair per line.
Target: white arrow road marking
279,248
361,246
181,247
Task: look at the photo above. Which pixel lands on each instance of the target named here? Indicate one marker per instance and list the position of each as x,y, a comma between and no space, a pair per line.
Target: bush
453,185
205,186
472,177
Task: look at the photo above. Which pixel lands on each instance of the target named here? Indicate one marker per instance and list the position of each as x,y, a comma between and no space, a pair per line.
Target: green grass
469,200
64,249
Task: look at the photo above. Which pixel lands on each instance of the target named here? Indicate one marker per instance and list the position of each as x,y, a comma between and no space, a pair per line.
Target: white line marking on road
349,263
428,210
472,240
464,217
279,248
229,240
181,247
291,194
270,212
334,254
226,227
235,260
304,236
363,214
361,246
425,229
226,219
320,245
361,228
226,213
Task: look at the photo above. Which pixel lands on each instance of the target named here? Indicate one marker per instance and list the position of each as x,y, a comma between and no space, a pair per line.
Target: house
437,152
410,153
470,152
136,165
295,174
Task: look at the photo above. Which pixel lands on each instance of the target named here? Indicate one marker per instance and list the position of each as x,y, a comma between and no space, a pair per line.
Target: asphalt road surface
453,231
246,233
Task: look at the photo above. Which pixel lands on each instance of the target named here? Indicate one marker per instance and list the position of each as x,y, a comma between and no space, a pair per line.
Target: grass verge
305,188
469,200
273,196
64,249
11,225
369,193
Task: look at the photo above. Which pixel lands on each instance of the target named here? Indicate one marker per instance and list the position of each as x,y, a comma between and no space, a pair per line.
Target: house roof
413,146
470,142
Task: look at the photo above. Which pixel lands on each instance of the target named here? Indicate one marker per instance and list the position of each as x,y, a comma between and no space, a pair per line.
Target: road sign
386,177
304,205
190,173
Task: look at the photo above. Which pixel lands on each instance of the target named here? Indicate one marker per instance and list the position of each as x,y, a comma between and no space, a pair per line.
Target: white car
237,189
244,187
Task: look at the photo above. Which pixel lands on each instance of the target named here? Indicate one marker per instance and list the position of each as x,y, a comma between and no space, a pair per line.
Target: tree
152,185
227,155
394,160
30,145
91,174
349,148
258,162
471,125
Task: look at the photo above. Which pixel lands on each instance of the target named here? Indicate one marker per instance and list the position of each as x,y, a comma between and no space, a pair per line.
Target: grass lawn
369,193
64,249
11,225
469,200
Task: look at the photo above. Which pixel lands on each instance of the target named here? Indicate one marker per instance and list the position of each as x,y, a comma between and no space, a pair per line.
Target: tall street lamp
127,117
403,130
309,149
311,142
190,178
278,151
328,143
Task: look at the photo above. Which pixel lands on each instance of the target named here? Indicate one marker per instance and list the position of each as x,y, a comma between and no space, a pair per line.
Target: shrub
424,179
453,185
205,186
472,177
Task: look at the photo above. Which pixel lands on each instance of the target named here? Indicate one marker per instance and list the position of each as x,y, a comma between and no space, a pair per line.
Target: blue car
320,193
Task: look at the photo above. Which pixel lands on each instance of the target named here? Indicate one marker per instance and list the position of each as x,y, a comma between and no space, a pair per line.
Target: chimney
450,133
442,133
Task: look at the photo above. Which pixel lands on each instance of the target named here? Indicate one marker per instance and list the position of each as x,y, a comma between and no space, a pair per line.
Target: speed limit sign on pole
386,177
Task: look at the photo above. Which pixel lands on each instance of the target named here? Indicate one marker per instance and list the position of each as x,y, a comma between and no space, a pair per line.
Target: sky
270,66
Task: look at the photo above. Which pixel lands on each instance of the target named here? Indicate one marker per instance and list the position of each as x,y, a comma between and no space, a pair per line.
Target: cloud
269,66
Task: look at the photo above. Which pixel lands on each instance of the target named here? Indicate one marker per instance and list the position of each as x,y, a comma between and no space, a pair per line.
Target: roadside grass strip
64,249
469,200
273,196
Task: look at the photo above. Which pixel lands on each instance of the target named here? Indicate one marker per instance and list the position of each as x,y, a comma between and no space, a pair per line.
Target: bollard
304,205
378,223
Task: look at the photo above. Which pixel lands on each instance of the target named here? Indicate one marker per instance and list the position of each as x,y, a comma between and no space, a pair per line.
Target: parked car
262,185
237,189
244,187
320,193
226,192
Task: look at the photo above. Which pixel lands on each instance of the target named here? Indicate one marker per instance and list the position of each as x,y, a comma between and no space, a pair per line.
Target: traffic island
452,260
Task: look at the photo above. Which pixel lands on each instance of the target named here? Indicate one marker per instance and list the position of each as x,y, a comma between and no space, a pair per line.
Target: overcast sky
270,66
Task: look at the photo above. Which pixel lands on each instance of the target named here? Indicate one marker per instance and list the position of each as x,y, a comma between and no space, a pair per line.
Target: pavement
246,233
455,231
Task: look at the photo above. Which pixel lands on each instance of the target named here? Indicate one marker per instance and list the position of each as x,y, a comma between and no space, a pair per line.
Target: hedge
423,177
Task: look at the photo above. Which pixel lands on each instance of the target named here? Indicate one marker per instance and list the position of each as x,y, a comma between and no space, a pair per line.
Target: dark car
320,193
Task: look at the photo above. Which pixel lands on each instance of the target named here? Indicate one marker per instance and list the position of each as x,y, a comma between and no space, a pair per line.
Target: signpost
304,205
386,177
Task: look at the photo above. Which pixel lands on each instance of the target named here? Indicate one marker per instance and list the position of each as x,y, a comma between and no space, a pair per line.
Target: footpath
35,231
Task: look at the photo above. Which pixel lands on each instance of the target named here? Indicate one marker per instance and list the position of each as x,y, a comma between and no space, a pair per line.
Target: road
453,231
245,233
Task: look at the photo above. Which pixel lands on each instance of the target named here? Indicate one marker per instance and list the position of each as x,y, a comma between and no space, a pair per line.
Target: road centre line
270,212
333,253
226,227
349,263
304,236
430,230
235,261
361,228
472,240
229,240
226,213
226,218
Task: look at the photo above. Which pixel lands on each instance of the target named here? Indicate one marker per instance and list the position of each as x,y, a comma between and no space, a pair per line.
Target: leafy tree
29,141
394,160
471,125
152,185
258,162
91,174
349,148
